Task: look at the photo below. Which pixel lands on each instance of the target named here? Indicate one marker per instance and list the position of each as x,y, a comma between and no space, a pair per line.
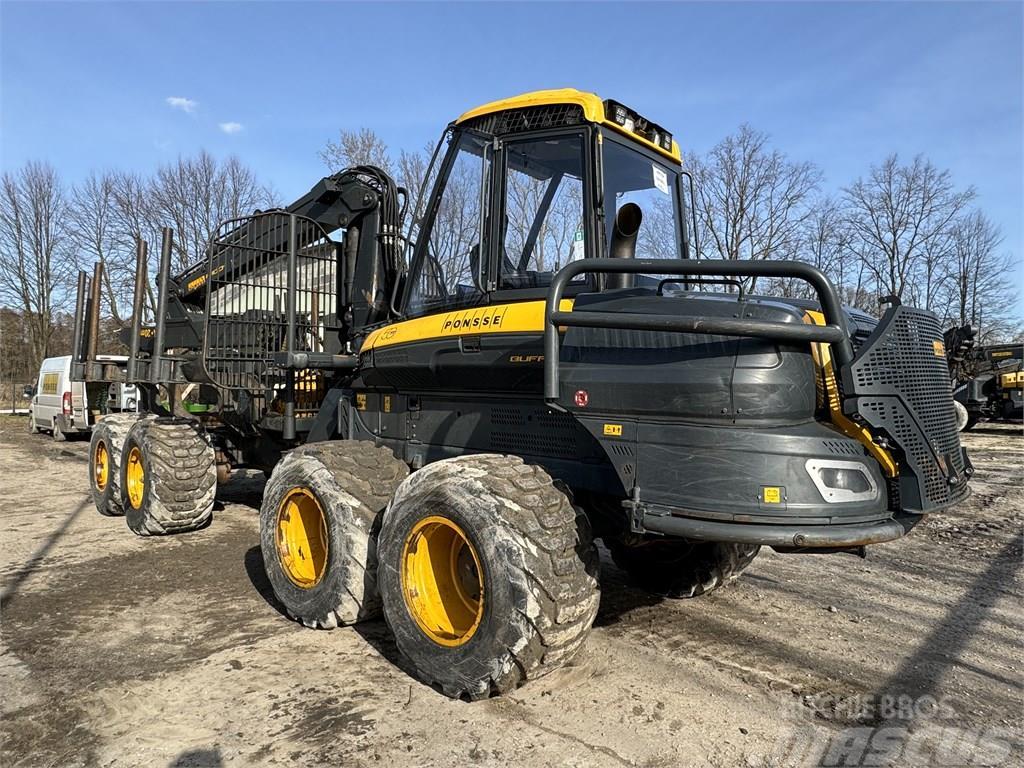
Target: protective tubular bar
77,343
138,296
834,331
164,278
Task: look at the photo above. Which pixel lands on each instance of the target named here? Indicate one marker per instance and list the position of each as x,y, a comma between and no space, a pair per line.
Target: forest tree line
903,228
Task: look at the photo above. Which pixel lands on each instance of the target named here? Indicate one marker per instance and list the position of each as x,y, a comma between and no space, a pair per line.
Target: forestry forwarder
451,412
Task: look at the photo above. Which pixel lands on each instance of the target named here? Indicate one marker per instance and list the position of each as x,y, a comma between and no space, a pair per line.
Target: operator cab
527,185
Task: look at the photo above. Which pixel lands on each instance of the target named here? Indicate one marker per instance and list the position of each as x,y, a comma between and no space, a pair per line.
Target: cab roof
593,111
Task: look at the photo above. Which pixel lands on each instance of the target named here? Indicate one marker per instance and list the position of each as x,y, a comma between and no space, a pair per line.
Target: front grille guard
898,385
896,382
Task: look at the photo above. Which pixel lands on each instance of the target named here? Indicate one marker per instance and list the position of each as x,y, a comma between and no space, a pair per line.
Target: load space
454,392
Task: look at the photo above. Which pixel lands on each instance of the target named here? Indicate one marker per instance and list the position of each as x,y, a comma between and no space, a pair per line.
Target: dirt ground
122,651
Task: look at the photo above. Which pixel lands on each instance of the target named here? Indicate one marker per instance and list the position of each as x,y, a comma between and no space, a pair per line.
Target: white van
59,405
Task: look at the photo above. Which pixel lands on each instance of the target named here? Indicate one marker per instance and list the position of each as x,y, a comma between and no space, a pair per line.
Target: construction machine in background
455,393
988,382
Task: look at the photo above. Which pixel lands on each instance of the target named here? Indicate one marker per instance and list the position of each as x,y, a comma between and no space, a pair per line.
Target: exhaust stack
623,245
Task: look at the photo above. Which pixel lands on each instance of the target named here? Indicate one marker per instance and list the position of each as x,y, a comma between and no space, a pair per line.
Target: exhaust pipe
623,246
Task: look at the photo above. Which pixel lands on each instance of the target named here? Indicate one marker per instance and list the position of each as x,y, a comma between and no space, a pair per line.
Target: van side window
50,382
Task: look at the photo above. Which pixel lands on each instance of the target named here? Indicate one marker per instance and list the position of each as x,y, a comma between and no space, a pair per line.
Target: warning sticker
660,179
772,495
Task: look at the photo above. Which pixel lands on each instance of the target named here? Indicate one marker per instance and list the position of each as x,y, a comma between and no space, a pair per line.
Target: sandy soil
122,651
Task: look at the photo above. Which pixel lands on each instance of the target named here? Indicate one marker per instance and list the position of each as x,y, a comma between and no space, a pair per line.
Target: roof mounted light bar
634,123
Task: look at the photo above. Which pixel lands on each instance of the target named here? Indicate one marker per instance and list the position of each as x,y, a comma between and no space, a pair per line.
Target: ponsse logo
481,320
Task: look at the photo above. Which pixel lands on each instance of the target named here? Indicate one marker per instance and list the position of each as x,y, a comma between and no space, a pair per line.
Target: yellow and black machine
453,393
988,382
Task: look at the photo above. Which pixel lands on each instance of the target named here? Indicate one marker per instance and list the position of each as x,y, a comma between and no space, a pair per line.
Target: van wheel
105,449
487,574
33,428
168,477
58,433
681,569
318,529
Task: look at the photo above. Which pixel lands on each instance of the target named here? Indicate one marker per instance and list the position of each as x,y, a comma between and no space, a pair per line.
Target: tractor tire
318,528
168,477
488,574
962,417
681,569
105,448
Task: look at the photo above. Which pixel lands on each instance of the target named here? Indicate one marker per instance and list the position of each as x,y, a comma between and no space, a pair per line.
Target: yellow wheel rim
442,581
302,543
101,466
135,477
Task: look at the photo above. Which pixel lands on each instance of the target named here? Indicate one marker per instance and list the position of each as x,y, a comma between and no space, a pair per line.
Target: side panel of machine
701,378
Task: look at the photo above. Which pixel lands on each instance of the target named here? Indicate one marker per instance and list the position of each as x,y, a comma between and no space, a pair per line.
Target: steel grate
527,119
247,307
901,381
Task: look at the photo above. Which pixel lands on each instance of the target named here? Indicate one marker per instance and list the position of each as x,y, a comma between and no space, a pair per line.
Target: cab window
448,270
630,177
543,225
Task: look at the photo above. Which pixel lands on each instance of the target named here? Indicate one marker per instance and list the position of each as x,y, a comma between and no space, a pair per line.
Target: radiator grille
528,119
901,384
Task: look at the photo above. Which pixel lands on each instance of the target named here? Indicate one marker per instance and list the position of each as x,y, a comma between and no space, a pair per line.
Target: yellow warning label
939,348
772,495
360,401
387,403
613,430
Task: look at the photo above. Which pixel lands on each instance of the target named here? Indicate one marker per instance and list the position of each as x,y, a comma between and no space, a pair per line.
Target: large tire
168,477
105,448
318,527
522,592
681,569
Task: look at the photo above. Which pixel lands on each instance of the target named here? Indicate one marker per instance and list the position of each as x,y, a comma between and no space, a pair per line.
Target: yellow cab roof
593,111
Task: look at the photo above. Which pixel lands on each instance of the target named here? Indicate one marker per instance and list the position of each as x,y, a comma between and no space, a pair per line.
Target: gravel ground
122,651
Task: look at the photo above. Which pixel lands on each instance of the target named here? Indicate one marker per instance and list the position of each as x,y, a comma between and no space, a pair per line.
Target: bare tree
37,266
900,216
751,200
361,147
135,219
93,226
194,195
978,291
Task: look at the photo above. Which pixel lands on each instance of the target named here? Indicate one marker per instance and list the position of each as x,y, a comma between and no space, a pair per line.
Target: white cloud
180,102
230,128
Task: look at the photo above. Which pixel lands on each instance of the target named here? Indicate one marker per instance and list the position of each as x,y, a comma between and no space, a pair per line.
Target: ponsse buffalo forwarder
454,393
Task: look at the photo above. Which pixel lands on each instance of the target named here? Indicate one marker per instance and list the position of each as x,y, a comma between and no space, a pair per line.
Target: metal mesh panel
528,119
901,381
247,305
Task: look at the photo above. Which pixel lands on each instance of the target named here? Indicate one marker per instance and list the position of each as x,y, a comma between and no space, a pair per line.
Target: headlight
842,481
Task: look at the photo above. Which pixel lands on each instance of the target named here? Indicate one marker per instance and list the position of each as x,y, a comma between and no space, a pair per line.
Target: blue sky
86,85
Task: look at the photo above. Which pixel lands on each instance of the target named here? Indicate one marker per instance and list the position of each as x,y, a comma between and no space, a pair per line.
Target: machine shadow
923,671
257,574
